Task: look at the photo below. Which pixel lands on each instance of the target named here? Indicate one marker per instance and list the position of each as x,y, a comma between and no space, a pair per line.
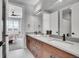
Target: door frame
4,28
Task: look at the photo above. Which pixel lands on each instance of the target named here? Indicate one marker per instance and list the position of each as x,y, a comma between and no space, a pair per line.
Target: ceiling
47,5
30,2
53,5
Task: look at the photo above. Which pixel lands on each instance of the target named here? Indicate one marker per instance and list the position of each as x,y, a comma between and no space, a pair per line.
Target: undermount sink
70,43
42,35
38,35
61,41
67,43
55,39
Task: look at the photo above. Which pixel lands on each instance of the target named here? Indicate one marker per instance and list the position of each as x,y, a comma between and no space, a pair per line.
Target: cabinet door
39,50
50,51
47,54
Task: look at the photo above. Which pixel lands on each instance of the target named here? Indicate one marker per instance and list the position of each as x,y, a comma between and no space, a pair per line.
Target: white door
1,27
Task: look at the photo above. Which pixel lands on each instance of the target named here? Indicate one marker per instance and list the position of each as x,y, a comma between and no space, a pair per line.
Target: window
13,25
14,18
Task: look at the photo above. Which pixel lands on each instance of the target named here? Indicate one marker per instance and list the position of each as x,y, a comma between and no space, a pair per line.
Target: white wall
54,23
75,19
29,18
46,22
34,22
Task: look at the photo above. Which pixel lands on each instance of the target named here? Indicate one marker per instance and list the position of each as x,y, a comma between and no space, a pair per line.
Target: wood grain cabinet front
42,50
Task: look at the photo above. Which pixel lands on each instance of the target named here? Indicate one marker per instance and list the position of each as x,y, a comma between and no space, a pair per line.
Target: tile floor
19,53
18,44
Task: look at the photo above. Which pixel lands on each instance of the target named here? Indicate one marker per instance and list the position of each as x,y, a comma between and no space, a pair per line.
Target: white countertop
68,46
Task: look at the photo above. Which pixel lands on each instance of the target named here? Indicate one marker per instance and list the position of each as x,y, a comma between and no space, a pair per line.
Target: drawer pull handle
52,56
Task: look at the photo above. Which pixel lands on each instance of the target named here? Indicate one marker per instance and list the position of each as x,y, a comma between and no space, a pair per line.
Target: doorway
14,27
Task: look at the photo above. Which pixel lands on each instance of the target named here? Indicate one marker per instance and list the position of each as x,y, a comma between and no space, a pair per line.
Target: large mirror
66,19
70,22
54,23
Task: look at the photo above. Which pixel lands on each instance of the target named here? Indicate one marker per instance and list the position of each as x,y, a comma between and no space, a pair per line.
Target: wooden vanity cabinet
42,50
57,53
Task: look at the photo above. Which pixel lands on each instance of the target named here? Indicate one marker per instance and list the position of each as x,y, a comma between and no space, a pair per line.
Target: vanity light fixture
13,13
60,0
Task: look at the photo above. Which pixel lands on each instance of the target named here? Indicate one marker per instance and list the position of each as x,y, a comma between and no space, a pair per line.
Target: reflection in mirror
54,23
66,18
67,14
70,22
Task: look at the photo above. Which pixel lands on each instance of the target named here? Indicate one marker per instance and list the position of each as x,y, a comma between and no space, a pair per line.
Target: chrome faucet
64,37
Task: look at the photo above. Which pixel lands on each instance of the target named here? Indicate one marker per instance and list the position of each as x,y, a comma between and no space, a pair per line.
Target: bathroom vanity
49,47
